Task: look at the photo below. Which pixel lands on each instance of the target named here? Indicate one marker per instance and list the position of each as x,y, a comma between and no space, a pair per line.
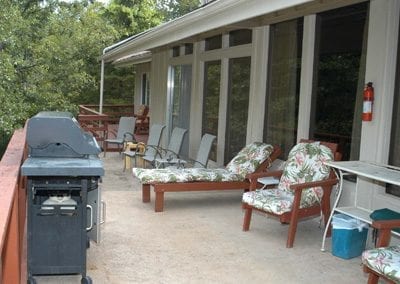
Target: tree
131,17
172,9
49,51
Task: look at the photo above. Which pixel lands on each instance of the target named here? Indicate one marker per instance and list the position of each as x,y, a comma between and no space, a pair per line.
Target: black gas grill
63,172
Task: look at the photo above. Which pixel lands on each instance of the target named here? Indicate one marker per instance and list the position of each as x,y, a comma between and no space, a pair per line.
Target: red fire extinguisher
368,99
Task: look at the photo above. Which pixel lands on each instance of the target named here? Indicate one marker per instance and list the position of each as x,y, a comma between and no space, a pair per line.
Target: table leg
159,202
146,193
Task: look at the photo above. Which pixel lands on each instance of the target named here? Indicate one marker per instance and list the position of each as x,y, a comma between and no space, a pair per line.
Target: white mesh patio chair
202,156
151,146
126,128
165,155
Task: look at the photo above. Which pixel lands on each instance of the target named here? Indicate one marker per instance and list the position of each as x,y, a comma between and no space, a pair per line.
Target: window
341,38
175,51
214,42
238,105
239,37
145,89
283,84
188,48
181,83
212,78
394,152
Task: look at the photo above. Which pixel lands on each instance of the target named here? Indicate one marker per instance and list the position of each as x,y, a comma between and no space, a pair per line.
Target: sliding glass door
179,101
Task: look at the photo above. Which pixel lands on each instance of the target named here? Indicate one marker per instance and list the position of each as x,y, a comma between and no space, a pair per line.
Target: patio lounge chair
304,188
126,127
202,156
383,261
255,157
150,148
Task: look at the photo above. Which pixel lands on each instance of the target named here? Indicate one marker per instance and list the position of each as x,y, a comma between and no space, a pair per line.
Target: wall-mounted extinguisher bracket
368,101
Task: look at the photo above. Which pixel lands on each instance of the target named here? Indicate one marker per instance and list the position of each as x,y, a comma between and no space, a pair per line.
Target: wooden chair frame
297,213
384,234
142,120
161,188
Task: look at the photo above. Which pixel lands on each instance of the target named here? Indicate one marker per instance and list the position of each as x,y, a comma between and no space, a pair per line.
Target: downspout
102,71
102,76
101,84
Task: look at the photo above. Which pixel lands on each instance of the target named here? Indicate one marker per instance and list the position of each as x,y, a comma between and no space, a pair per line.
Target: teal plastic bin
348,236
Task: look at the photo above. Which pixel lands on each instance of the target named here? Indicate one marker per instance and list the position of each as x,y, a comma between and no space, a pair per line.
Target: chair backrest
154,139
126,125
331,145
204,150
305,163
249,159
175,142
143,110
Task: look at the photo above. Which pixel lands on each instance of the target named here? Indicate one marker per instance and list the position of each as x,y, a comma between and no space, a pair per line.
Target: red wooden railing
13,212
100,124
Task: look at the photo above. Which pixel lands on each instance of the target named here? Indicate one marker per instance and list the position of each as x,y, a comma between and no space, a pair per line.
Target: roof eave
215,15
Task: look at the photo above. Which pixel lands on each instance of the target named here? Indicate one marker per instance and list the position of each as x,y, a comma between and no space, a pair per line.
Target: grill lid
58,134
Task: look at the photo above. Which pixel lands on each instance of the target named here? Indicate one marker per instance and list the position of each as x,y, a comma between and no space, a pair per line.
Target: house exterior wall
158,90
380,69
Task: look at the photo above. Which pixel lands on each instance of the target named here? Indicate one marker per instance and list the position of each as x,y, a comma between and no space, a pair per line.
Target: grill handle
91,217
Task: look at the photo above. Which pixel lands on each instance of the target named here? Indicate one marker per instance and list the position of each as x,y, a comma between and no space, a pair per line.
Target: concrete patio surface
199,239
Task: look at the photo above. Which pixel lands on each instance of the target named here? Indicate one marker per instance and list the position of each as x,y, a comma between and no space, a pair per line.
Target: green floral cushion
183,175
160,175
247,161
271,200
386,261
305,163
249,158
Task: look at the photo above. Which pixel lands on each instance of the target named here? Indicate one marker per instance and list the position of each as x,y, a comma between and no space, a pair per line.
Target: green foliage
49,53
172,9
131,17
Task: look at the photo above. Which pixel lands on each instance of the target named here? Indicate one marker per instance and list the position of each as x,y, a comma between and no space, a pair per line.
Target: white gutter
214,15
135,58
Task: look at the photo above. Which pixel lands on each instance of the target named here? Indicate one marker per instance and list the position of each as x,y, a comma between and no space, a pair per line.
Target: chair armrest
192,162
386,224
322,183
298,188
385,227
170,154
157,149
163,153
126,134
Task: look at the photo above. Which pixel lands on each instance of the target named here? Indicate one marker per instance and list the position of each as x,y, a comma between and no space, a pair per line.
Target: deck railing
100,124
13,212
113,112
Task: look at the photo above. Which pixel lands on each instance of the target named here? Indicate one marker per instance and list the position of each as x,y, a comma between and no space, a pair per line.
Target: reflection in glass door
341,39
179,102
212,80
238,105
283,84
